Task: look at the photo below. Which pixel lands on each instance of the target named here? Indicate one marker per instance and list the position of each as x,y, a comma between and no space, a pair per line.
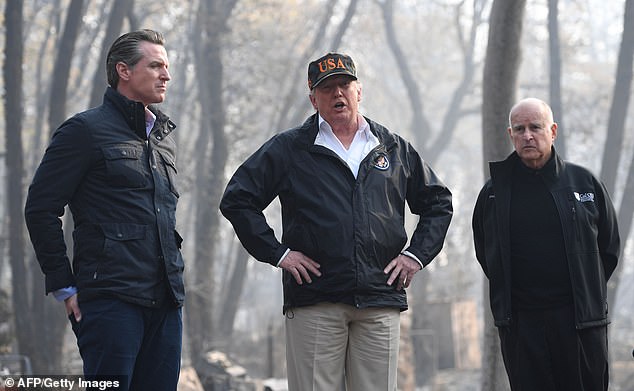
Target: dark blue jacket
352,227
120,187
588,222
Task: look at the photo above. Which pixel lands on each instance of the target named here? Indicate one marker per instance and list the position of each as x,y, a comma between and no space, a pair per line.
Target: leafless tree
290,113
12,74
120,9
212,156
421,129
554,50
31,308
61,72
499,89
614,143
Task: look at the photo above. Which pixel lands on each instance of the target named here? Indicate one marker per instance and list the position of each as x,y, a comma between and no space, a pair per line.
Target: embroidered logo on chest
381,162
584,197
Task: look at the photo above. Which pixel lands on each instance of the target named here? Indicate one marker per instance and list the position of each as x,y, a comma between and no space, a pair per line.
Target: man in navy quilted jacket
114,167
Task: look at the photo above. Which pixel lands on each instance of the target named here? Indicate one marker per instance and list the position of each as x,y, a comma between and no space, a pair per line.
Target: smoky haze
238,72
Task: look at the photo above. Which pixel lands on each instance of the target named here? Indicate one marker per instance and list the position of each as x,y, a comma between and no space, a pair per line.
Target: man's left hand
402,270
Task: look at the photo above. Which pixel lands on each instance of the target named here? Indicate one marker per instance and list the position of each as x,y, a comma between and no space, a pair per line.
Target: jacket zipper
574,222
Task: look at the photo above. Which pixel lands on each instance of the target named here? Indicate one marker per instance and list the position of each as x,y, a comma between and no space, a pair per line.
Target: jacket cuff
59,280
414,257
288,250
410,252
279,255
64,293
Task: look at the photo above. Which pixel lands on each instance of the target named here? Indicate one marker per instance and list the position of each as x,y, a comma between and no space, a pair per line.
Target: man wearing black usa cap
343,181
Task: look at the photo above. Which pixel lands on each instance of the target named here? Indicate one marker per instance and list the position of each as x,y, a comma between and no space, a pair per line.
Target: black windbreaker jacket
589,226
352,227
120,187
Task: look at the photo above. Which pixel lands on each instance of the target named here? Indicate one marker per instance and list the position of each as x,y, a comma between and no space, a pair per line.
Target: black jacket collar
503,170
134,112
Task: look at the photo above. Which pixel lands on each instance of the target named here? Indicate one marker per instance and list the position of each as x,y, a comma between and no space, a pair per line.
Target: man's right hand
72,307
299,265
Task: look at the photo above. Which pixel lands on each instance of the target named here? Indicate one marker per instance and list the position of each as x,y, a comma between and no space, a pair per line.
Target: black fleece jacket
590,233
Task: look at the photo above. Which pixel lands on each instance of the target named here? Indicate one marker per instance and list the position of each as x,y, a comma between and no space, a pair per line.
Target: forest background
441,73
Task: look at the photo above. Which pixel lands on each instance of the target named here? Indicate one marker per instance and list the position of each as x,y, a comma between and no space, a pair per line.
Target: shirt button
119,235
154,166
158,210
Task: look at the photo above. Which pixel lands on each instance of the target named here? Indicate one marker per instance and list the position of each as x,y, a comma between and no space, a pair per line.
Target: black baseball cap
329,65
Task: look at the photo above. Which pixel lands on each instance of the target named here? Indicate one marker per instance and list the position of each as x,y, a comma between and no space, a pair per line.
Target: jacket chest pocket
125,166
585,220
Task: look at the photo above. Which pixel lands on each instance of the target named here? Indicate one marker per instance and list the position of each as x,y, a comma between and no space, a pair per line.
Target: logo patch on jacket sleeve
584,197
381,162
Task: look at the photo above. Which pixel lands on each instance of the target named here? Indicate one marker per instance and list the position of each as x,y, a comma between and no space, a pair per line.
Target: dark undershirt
539,268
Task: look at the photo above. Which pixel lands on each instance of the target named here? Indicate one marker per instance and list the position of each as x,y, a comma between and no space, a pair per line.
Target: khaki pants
337,347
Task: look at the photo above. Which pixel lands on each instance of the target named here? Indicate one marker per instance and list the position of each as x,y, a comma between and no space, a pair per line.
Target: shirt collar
362,126
150,118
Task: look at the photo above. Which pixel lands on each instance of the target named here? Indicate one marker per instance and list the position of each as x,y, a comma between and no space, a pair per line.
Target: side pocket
73,324
178,239
124,244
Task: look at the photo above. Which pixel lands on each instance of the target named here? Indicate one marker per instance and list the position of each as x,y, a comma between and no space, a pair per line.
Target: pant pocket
73,323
